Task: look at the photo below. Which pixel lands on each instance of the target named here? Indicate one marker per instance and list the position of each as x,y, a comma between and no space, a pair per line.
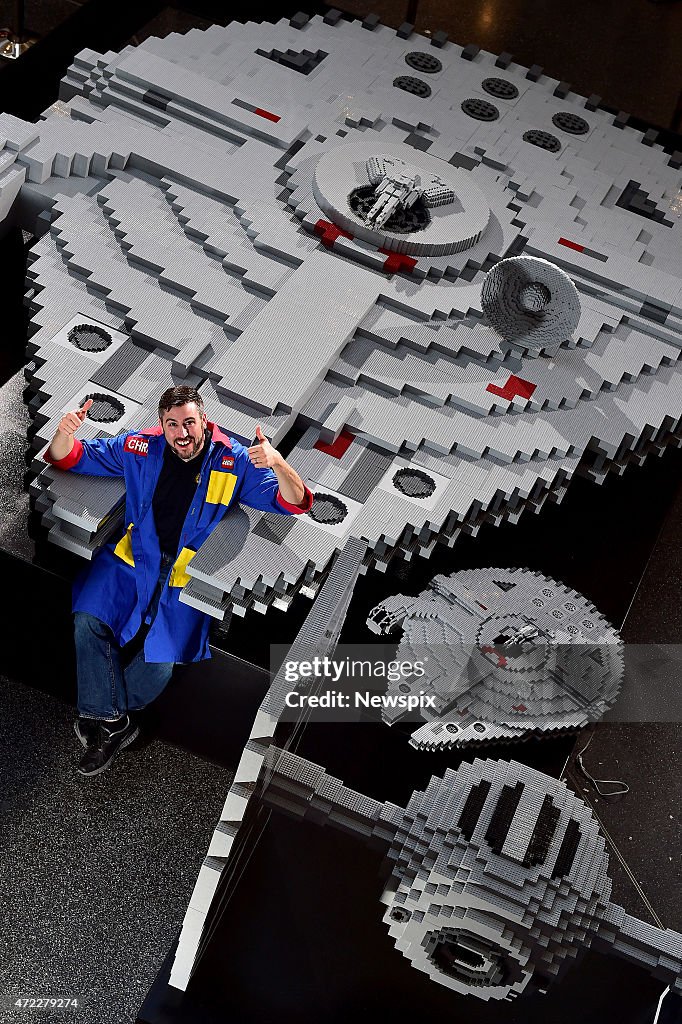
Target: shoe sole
103,767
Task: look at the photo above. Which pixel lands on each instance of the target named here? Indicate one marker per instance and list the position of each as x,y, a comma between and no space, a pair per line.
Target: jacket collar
217,435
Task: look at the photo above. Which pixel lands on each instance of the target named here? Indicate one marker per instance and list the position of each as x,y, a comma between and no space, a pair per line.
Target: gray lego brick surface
319,634
216,205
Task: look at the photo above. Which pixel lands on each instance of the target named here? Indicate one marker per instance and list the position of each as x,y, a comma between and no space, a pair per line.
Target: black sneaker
86,729
111,738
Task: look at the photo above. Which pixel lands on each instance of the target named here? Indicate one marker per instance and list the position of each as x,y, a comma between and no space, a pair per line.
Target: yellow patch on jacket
178,575
124,548
220,487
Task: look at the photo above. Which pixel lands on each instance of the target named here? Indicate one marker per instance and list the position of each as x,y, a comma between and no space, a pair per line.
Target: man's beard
188,451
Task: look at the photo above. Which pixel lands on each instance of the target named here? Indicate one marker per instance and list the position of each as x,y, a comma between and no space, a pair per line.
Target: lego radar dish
508,653
531,303
175,190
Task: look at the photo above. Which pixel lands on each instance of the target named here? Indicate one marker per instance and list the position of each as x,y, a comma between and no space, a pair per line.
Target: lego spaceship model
400,229
507,653
533,306
500,875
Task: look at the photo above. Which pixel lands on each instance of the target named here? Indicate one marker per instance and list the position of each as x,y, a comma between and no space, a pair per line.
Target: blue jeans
107,687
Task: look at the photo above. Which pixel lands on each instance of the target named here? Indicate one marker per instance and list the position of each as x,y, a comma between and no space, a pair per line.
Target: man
181,477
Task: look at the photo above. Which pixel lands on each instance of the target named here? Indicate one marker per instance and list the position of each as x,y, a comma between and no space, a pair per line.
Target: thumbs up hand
71,421
262,454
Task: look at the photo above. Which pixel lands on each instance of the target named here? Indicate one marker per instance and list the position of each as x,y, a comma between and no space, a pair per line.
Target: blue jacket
118,585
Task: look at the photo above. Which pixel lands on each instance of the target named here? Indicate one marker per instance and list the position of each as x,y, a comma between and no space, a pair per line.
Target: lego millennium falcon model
499,874
507,653
461,279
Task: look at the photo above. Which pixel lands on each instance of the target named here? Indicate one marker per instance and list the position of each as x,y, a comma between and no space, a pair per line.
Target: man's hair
179,396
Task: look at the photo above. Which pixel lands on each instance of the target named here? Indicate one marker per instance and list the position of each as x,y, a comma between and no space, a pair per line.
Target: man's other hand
262,454
71,421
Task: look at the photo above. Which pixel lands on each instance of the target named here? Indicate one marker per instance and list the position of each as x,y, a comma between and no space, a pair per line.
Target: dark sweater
173,495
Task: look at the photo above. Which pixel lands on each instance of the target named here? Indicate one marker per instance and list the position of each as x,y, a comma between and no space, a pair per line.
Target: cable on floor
618,787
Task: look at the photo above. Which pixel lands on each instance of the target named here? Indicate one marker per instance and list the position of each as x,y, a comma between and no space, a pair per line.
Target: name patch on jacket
228,462
137,445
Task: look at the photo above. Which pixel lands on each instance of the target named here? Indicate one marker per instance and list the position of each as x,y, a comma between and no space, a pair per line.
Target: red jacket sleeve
296,509
69,460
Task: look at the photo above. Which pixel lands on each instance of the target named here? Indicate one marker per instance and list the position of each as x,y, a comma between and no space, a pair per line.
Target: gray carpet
14,422
95,874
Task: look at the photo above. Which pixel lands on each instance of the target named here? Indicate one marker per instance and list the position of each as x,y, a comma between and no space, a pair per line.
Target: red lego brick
329,232
501,660
342,444
397,262
571,245
267,113
515,387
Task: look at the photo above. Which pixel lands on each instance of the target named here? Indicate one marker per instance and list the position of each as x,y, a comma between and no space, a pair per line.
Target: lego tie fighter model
499,875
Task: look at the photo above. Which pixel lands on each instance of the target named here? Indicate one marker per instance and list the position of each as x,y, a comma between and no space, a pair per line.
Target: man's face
183,428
